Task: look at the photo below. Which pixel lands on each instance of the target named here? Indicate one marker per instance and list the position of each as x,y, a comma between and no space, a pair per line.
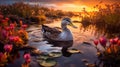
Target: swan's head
67,21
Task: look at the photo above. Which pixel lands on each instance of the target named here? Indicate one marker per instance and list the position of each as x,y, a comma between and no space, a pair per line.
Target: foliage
38,19
32,12
11,34
106,19
110,56
11,38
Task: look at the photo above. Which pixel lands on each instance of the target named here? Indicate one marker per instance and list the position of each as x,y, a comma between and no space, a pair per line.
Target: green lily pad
55,54
40,60
73,50
48,63
43,56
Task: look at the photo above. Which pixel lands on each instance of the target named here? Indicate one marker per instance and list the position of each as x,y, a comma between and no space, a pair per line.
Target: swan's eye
67,20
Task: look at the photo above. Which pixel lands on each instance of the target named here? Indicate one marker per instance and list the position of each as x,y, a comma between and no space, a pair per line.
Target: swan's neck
66,34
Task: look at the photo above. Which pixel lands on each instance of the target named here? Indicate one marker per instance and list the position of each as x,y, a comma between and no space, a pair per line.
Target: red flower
3,21
24,26
7,28
8,48
103,41
115,40
118,43
111,41
11,38
12,26
16,38
27,57
96,42
5,33
28,61
6,19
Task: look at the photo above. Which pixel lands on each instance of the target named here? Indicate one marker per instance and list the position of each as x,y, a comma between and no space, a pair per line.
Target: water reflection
65,45
65,52
89,52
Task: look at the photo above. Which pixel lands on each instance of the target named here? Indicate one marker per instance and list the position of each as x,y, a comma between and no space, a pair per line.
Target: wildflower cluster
111,52
11,36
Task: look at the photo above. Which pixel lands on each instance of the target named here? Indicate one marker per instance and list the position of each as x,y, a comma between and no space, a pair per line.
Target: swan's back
51,33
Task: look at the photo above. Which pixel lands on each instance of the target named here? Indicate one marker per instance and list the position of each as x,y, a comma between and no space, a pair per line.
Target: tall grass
106,20
32,12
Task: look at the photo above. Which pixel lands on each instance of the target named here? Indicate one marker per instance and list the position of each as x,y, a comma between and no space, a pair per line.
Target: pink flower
115,40
12,26
14,38
6,19
8,48
118,43
27,57
103,41
28,61
11,38
111,41
96,42
3,21
5,33
24,26
7,28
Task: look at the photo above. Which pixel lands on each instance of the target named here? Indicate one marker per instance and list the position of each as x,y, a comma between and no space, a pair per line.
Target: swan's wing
49,32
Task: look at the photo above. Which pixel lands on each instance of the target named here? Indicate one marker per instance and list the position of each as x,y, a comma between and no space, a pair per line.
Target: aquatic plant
12,37
8,48
13,34
27,57
96,42
106,20
31,12
110,56
3,59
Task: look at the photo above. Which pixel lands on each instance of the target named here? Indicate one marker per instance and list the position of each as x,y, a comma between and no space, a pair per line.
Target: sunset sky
66,5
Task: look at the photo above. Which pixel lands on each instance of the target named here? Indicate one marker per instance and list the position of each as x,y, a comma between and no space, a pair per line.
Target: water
73,60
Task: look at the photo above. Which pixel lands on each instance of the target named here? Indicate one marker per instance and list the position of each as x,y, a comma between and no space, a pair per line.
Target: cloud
60,2
74,5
